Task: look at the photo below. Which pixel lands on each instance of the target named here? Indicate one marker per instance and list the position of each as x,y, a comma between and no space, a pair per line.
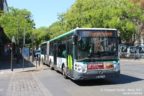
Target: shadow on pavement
6,64
93,82
123,79
33,70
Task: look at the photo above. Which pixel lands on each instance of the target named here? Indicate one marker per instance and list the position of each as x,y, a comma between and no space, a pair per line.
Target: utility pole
23,46
24,33
11,57
12,44
32,38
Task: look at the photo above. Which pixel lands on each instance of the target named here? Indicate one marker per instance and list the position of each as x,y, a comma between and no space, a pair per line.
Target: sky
44,12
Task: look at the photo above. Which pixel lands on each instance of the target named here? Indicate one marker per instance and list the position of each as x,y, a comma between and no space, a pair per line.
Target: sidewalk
26,84
23,81
5,67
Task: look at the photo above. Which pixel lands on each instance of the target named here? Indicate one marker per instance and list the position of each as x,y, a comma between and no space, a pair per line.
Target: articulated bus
84,53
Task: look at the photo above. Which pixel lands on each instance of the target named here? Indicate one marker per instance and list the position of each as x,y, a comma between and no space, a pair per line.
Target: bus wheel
64,72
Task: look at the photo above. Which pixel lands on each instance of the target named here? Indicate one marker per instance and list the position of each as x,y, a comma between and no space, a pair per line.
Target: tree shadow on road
6,64
123,79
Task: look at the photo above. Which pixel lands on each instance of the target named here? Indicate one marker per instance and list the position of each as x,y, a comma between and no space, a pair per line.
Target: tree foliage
17,22
39,35
123,15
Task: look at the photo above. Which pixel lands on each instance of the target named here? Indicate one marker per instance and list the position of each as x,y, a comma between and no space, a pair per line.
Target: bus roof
71,31
64,34
96,29
44,42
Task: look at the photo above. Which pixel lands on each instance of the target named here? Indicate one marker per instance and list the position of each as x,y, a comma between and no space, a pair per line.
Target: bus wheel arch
42,60
51,65
48,62
64,71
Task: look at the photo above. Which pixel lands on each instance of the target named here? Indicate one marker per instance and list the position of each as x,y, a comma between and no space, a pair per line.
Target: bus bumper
91,76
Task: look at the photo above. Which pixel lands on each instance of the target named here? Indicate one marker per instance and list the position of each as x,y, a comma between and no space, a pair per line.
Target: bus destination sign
96,33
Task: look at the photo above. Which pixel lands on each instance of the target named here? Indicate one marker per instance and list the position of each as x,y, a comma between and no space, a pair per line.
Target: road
130,83
46,82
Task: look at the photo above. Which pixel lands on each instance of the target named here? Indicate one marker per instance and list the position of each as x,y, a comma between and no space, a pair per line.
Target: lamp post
24,33
23,47
24,41
13,42
32,39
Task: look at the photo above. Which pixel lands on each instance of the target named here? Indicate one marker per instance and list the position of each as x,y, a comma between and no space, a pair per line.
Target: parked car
123,50
141,51
131,51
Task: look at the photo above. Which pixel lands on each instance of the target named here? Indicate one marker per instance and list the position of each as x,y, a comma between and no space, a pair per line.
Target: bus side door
55,53
69,48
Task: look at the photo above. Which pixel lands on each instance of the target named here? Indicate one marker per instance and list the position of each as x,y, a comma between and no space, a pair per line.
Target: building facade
3,5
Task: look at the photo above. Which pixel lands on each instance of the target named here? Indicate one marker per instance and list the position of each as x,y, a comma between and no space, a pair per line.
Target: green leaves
16,22
120,14
123,15
40,35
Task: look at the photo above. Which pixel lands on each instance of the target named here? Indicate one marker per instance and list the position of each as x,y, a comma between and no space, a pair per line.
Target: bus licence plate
100,76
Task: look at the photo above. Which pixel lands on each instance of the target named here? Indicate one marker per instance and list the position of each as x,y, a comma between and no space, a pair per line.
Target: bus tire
64,72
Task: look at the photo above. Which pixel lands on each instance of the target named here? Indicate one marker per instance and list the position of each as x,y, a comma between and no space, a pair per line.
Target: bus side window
62,50
69,47
59,50
64,53
51,50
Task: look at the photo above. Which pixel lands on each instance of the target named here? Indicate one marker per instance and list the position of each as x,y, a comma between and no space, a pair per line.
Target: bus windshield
96,47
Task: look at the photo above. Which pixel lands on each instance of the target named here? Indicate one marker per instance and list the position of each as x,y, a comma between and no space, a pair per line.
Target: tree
40,35
123,15
16,22
56,29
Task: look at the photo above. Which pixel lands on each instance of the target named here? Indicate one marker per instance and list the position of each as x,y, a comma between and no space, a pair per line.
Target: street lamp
24,40
24,31
12,45
32,41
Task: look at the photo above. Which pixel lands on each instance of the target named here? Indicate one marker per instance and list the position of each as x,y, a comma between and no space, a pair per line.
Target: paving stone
25,84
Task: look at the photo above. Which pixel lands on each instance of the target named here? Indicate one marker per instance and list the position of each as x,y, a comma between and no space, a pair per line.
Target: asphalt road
52,83
130,83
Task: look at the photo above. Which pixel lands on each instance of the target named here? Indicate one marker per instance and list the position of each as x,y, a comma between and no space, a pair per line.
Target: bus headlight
81,68
116,66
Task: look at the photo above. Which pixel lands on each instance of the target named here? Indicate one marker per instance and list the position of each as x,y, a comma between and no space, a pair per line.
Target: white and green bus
84,53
